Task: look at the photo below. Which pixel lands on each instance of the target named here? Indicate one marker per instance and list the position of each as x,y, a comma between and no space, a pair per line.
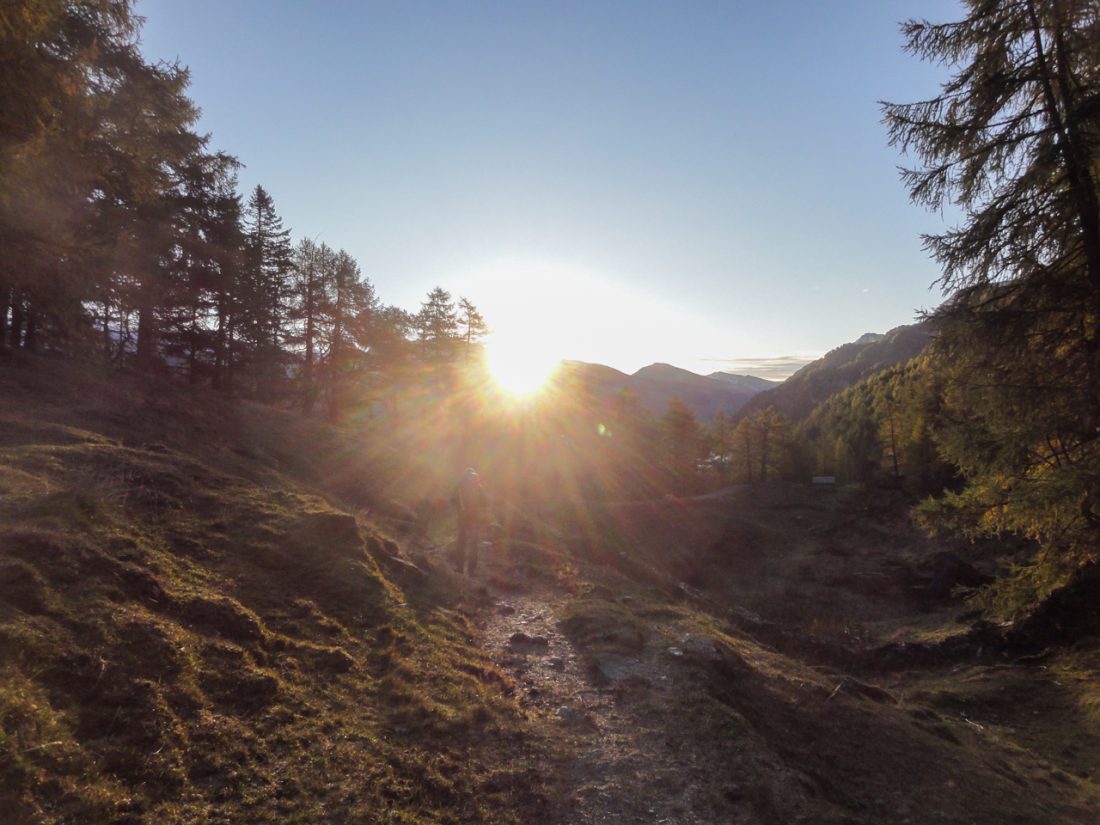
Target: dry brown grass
192,629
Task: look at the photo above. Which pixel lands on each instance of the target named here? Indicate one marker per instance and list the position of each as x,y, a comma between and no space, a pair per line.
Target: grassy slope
192,630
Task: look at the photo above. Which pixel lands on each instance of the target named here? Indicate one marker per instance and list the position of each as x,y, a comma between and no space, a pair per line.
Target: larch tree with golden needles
1013,142
773,436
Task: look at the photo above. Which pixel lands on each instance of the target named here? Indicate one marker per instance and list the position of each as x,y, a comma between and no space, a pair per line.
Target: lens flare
517,369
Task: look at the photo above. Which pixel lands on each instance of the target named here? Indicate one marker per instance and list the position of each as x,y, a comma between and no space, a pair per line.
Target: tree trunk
146,333
17,316
30,335
894,452
764,454
336,352
218,381
106,330
1075,157
307,369
5,302
1074,146
230,355
193,343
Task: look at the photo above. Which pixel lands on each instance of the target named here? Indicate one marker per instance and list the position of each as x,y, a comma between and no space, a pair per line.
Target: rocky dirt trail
613,714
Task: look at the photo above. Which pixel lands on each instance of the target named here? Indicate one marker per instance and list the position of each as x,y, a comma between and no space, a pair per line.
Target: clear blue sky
690,182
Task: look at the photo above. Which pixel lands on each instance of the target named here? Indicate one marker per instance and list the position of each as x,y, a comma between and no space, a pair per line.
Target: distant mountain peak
663,370
869,338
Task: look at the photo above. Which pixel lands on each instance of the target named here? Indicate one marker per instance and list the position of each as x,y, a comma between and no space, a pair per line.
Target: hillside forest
227,466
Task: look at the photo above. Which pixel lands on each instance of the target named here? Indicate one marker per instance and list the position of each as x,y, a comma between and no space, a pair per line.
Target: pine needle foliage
1013,143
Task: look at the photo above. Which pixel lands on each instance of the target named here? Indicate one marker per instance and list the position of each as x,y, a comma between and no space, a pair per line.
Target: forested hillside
881,430
839,369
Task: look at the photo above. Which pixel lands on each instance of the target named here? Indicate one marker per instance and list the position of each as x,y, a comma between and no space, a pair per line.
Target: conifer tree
207,214
684,443
472,326
745,447
345,287
437,327
721,443
226,239
52,54
353,305
149,196
772,431
634,433
312,272
391,348
89,135
265,291
1013,140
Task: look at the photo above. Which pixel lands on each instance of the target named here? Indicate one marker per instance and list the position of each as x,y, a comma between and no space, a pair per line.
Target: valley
307,308
198,622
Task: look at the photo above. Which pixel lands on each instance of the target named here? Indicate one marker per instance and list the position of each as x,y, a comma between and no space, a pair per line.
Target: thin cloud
777,368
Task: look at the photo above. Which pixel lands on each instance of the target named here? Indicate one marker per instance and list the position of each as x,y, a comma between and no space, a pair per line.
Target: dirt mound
223,616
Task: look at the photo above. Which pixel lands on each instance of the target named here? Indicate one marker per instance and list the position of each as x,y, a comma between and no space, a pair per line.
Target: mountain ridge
657,384
745,381
842,367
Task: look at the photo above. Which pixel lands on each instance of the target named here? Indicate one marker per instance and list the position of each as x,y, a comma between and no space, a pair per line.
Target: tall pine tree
312,273
264,293
437,328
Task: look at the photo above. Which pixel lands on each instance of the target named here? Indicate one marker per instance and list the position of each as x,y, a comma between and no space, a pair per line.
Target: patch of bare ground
613,712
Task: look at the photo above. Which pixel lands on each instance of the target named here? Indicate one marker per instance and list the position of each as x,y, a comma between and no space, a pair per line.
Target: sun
519,368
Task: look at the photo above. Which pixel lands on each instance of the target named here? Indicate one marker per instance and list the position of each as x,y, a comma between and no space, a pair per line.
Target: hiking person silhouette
469,500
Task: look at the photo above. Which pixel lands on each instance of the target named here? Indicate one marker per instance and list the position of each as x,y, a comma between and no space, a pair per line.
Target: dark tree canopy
1011,139
123,236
